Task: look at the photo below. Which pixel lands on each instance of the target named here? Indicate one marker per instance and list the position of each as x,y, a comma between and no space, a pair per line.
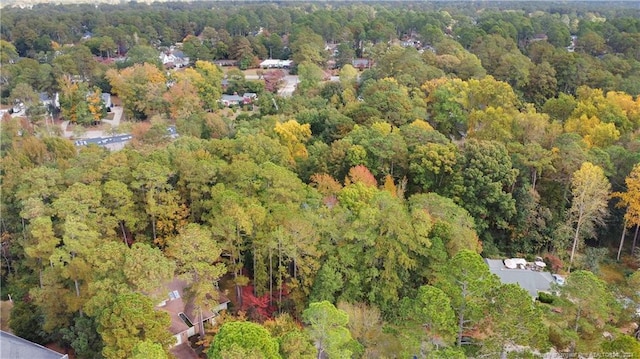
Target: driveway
117,117
290,83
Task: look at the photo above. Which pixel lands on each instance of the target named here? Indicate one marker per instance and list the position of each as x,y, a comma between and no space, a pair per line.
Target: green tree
306,46
161,203
542,85
34,109
432,163
118,202
485,185
197,257
141,54
310,76
452,224
252,338
390,99
140,87
327,328
515,320
348,75
294,341
131,320
467,282
430,314
591,191
588,308
8,53
210,85
84,338
40,243
24,93
623,345
232,218
148,349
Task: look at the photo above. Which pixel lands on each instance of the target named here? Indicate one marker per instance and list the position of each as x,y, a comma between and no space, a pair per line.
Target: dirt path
5,312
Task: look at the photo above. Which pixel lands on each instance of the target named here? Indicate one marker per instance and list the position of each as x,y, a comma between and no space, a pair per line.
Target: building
529,276
361,64
174,58
226,63
276,64
231,100
249,97
185,320
15,347
106,100
48,101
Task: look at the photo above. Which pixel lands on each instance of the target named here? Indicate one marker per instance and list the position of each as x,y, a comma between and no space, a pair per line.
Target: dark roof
183,351
44,97
15,347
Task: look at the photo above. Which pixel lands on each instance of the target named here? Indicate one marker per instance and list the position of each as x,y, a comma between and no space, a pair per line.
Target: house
15,347
249,97
106,100
181,59
231,100
361,64
185,320
534,38
529,276
223,63
48,101
410,43
174,58
538,37
278,64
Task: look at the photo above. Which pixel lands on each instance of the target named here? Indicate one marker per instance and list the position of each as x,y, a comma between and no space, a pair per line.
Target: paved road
116,142
290,84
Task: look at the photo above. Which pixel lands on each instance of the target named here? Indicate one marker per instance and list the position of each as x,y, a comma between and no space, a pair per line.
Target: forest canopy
350,218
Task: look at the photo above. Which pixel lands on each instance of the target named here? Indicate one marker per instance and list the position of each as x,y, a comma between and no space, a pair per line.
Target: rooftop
175,304
15,347
527,276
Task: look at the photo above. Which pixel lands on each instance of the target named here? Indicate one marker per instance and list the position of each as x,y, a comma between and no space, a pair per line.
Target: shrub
546,298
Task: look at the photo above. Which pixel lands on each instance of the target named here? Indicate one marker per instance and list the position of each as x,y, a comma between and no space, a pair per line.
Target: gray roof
17,348
44,97
532,281
231,98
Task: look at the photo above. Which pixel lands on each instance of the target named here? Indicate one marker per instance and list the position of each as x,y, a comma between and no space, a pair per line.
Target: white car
558,278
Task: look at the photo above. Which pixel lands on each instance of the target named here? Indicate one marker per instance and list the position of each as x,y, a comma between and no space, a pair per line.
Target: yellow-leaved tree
591,191
631,200
294,135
